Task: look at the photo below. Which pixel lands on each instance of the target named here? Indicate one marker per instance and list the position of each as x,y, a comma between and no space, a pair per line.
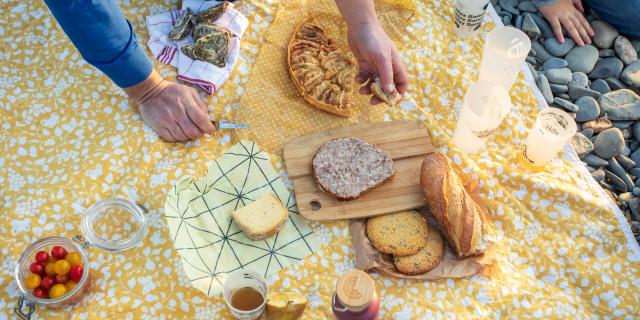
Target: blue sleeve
104,37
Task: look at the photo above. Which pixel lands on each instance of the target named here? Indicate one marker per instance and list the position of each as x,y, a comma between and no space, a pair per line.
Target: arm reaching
106,40
375,52
567,14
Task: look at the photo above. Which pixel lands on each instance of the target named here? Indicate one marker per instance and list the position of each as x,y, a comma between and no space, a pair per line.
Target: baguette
459,216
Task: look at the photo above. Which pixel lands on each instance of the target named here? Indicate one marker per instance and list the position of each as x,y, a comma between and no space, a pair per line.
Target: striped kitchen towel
200,73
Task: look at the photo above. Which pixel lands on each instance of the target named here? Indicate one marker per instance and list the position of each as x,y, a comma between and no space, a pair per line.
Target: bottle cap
355,289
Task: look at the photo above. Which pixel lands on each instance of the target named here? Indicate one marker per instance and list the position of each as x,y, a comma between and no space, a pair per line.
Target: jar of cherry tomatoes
54,272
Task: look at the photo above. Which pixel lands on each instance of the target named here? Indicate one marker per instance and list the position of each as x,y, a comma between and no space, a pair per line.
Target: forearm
357,12
104,38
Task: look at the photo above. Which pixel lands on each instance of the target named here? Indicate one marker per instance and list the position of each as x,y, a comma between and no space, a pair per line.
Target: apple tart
323,74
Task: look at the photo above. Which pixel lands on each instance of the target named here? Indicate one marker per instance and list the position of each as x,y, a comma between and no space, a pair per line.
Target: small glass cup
550,132
99,215
505,49
484,107
244,278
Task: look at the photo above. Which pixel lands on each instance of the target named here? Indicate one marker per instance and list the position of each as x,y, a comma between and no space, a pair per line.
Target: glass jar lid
114,224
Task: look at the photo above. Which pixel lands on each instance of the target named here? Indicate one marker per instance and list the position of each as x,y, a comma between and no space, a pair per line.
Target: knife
229,125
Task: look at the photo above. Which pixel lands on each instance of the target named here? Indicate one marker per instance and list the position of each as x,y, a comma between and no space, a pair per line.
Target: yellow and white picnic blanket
68,138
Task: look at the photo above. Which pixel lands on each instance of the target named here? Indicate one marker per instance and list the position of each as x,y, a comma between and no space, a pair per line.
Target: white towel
201,73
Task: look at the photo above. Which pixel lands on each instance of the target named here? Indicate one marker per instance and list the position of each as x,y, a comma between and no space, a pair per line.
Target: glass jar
94,227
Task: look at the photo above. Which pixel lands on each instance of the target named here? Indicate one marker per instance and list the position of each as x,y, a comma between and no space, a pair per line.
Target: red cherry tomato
37,268
42,257
40,292
48,282
75,273
59,252
62,278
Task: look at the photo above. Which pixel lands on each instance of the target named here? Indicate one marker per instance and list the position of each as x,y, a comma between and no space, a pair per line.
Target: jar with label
54,272
355,297
469,16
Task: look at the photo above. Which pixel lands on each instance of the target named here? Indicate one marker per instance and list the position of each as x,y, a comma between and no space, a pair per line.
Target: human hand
568,14
377,55
174,111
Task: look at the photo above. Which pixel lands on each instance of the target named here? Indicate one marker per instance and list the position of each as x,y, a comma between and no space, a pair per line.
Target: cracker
400,234
426,259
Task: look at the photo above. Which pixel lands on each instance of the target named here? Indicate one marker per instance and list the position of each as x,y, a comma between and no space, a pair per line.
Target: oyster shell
202,29
188,51
182,27
212,14
214,47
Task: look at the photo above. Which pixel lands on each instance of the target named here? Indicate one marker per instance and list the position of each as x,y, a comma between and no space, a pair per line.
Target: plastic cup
550,132
484,107
242,279
505,50
469,16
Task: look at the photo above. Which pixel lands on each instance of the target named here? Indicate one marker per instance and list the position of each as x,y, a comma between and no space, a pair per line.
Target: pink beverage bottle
355,297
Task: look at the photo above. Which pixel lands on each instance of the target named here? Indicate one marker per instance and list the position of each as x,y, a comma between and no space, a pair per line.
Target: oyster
214,47
212,14
188,51
322,73
202,29
182,26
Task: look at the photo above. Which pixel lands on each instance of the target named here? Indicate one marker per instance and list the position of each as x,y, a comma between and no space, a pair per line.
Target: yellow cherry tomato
69,285
74,259
49,268
62,267
32,280
57,291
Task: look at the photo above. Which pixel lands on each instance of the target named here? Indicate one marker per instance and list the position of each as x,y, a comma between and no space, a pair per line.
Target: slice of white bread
262,218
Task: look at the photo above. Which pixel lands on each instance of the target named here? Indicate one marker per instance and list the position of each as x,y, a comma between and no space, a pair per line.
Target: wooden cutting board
406,141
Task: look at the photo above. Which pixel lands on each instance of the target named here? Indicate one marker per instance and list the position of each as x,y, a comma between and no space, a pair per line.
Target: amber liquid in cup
246,299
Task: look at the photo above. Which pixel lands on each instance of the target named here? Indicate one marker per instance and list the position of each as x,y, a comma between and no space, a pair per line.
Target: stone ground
598,84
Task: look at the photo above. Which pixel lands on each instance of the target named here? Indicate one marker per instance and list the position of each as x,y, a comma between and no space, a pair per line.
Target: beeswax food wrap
272,106
211,245
69,138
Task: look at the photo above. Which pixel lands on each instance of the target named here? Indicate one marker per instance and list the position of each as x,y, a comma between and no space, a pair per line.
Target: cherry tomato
59,252
37,268
40,292
74,259
62,267
75,273
62,279
32,280
49,268
48,282
42,257
57,291
70,285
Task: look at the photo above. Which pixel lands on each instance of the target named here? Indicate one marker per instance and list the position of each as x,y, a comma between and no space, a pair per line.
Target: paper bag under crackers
369,259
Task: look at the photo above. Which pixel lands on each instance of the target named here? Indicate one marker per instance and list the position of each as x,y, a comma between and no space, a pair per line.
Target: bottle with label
355,297
469,16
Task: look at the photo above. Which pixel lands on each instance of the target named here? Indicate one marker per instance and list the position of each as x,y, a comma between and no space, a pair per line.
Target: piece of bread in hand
376,89
457,213
262,218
